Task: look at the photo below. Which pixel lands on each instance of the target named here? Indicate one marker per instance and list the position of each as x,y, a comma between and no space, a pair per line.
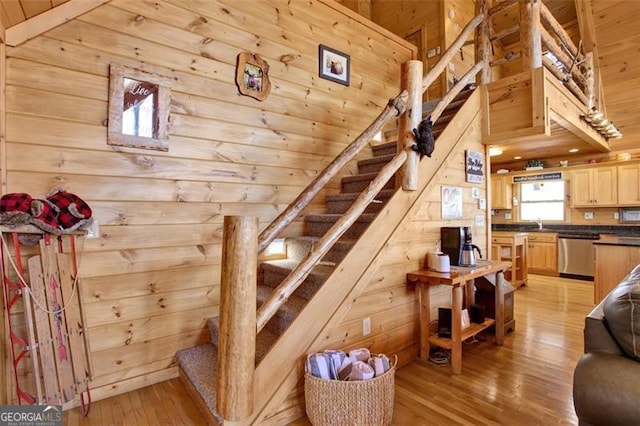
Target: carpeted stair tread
386,148
375,164
200,365
299,247
264,340
334,217
287,265
285,315
351,196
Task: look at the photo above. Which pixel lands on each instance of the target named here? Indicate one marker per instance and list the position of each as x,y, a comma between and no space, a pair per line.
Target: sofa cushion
622,314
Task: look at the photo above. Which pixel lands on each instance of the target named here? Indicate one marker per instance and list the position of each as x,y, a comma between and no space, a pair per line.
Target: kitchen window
542,200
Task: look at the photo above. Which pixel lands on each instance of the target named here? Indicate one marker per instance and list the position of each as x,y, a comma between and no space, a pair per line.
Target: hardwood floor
526,381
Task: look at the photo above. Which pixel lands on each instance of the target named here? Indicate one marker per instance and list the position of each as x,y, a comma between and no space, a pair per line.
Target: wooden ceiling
16,11
617,39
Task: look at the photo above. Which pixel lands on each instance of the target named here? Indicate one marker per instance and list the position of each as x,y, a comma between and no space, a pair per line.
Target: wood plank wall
151,279
403,17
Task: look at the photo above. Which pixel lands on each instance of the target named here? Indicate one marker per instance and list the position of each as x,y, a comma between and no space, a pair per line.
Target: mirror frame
115,136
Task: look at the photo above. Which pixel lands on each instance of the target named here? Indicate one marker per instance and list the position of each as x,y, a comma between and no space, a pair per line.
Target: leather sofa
606,380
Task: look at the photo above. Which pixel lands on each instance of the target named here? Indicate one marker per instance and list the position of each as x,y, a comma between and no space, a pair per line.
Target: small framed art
334,65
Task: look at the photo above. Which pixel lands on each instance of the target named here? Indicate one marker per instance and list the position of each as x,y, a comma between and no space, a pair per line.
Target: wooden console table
458,278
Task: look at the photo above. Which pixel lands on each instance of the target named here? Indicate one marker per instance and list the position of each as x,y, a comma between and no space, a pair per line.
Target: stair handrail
455,90
394,108
300,273
455,47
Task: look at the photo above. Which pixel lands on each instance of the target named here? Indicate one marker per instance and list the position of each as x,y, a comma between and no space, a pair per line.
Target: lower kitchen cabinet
511,246
542,256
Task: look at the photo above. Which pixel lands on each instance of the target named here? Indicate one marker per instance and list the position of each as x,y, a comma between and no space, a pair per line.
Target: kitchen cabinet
594,187
501,192
511,246
542,256
629,184
615,257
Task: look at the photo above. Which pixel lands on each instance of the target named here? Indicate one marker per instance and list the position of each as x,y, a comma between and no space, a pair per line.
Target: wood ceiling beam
37,25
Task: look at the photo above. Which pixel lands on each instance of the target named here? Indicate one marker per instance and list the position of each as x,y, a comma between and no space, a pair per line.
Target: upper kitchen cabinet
501,192
594,187
629,188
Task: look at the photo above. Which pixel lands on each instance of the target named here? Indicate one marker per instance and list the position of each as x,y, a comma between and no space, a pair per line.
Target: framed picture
474,166
334,65
451,202
252,76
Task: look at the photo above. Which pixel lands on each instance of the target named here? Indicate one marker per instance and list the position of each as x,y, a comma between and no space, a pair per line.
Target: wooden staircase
198,365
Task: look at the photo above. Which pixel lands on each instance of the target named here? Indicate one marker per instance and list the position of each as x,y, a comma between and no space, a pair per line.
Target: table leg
425,320
456,332
499,307
470,294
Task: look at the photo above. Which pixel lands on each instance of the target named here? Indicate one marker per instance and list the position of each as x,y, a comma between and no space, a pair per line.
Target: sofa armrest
606,390
597,337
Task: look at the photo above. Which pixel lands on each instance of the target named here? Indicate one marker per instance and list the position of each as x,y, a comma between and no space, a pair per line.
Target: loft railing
544,42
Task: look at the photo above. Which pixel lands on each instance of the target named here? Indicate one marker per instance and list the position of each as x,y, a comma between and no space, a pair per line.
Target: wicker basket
362,402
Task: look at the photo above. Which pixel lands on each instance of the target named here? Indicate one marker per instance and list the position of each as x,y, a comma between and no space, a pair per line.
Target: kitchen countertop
619,230
610,240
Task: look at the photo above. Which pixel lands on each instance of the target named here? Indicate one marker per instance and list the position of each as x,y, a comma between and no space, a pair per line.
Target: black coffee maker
456,242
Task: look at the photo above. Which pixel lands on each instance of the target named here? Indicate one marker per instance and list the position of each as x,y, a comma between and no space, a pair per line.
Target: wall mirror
138,109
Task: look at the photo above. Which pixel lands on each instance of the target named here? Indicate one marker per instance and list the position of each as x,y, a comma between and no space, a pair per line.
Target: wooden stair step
299,247
340,203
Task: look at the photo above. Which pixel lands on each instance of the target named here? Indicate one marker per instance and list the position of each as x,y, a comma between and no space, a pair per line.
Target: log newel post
590,92
411,81
530,38
237,341
483,42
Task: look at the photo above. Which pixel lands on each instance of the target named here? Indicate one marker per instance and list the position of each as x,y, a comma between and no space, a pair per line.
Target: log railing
297,276
544,42
394,108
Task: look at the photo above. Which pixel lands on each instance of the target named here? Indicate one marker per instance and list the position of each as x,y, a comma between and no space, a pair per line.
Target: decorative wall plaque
252,76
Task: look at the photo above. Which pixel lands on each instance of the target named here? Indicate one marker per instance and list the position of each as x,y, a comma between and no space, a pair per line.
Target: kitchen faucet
539,222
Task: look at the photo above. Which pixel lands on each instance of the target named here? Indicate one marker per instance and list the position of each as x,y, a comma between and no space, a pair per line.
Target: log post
589,88
411,81
483,42
237,341
530,34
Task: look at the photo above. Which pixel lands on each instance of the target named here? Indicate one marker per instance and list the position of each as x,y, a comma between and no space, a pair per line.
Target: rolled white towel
337,358
360,370
361,354
380,363
319,365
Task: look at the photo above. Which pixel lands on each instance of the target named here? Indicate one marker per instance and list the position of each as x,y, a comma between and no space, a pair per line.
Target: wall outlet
507,215
616,216
94,230
479,220
452,67
366,326
588,215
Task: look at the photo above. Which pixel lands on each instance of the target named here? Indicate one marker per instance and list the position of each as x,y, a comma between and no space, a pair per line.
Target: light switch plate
482,203
507,215
588,215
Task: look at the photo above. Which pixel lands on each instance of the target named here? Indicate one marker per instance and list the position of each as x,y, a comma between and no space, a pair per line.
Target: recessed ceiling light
517,157
494,151
574,150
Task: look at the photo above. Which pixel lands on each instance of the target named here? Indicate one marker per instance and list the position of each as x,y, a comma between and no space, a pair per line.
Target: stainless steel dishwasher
576,255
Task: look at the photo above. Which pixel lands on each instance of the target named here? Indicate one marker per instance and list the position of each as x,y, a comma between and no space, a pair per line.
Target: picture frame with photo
252,76
334,65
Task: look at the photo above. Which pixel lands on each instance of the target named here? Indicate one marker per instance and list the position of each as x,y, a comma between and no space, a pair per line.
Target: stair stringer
279,372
